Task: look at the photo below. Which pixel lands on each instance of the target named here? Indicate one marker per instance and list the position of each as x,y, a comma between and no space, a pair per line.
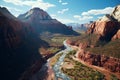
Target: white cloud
99,17
76,16
59,1
32,3
62,20
82,18
11,8
63,10
65,21
106,10
15,2
65,3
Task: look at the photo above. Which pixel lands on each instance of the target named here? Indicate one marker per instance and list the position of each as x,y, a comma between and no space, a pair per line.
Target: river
56,67
41,74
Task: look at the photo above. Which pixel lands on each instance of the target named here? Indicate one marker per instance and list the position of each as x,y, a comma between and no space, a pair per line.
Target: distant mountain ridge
80,27
42,22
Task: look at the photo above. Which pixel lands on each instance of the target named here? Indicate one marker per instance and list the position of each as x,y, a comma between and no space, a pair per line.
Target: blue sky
66,11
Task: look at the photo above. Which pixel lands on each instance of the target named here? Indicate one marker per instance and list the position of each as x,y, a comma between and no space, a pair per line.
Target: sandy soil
50,72
67,65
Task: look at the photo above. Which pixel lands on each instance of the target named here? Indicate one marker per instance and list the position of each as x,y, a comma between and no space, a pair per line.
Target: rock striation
109,63
108,26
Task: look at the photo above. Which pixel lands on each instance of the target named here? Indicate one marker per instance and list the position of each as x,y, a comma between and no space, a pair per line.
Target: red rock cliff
107,26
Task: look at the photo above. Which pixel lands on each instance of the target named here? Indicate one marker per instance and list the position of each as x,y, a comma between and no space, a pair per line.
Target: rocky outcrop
105,30
42,22
117,35
116,13
109,63
18,47
107,26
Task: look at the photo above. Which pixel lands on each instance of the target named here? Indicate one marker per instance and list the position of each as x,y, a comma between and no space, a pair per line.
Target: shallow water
56,67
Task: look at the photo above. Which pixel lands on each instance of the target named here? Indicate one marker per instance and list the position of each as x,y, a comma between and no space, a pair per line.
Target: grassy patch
80,71
49,50
54,59
86,39
113,77
55,42
110,49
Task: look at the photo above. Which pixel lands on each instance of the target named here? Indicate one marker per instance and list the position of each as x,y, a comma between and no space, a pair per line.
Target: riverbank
48,72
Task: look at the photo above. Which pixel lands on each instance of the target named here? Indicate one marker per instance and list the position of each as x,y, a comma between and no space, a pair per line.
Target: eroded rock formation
108,26
109,63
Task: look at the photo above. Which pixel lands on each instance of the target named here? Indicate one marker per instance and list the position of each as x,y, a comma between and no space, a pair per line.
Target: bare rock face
116,13
109,63
107,26
105,18
18,47
35,14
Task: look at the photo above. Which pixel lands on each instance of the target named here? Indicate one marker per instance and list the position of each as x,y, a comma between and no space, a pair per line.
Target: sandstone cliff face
107,26
106,30
109,63
18,47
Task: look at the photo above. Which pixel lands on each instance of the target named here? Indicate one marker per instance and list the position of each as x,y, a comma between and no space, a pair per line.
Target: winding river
40,75
56,67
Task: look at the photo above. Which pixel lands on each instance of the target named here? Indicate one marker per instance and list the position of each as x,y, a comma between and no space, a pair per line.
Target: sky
65,11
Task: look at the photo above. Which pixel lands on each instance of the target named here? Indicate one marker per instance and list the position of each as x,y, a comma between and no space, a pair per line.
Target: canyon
21,41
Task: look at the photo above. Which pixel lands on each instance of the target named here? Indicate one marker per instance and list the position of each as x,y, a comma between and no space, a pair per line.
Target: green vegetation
49,50
110,49
53,49
55,39
80,71
113,77
85,38
54,59
55,42
70,53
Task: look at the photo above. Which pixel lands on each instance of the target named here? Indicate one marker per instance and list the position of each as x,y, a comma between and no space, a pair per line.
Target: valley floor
108,75
102,70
